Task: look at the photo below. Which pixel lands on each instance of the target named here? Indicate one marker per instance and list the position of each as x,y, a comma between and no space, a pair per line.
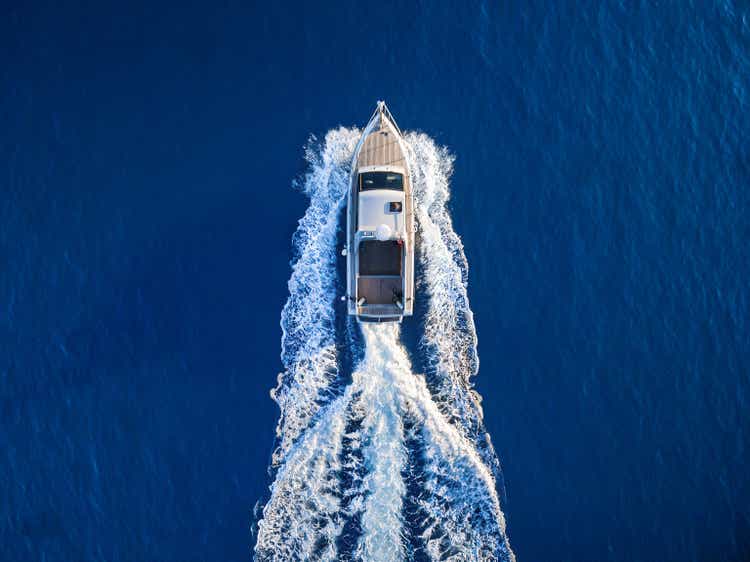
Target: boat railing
382,108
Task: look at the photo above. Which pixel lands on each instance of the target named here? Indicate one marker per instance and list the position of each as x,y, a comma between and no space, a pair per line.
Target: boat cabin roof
381,207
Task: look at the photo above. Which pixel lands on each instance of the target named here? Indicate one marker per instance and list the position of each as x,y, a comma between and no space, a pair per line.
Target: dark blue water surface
601,189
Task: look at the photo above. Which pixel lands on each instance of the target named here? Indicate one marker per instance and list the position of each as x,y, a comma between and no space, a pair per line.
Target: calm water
600,189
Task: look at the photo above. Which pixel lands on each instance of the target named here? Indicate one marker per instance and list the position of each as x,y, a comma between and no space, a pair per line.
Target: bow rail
382,109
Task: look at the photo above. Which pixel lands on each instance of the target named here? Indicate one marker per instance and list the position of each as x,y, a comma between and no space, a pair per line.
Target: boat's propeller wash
379,465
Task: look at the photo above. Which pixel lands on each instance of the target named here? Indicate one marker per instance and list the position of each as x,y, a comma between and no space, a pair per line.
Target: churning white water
343,458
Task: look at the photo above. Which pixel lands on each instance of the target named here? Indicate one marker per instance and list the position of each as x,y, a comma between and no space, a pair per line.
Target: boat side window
381,180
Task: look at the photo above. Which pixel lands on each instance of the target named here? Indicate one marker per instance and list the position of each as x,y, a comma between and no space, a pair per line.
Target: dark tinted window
381,180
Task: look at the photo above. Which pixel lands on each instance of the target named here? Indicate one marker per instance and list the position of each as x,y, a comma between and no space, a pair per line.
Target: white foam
459,490
384,452
302,519
449,339
307,320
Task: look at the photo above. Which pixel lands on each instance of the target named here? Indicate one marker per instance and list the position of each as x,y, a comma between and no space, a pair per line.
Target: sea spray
383,451
308,318
449,341
464,519
302,519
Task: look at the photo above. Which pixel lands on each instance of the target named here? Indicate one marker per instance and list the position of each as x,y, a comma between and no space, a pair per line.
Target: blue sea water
146,211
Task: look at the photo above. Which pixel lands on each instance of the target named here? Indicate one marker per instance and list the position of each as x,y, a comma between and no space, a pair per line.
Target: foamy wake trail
302,519
348,463
308,343
463,520
449,339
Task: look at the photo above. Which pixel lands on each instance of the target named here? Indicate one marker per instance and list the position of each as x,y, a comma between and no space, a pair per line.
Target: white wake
308,342
348,463
450,339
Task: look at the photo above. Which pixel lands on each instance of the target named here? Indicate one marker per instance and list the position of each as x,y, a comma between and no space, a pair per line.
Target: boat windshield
381,180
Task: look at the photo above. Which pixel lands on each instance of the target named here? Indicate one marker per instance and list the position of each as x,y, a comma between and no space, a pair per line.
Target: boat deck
381,148
379,289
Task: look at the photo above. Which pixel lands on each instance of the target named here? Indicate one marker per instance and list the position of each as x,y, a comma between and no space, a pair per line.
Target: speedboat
380,225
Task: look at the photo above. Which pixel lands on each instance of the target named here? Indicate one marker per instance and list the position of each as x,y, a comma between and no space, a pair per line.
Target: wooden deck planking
381,149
